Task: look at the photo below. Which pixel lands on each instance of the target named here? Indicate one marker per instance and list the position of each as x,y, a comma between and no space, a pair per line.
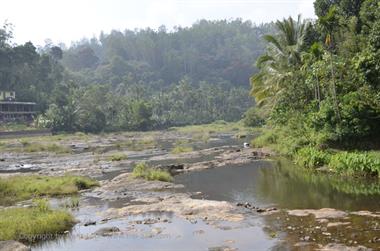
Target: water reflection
264,183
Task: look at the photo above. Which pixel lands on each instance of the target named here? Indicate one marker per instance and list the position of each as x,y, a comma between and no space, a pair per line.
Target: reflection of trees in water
294,187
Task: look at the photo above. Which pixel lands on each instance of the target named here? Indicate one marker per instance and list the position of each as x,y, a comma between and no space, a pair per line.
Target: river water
263,183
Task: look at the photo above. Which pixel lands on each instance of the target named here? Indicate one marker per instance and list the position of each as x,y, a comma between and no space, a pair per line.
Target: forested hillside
138,79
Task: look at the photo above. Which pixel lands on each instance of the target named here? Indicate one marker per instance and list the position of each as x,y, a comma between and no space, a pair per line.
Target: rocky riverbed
224,210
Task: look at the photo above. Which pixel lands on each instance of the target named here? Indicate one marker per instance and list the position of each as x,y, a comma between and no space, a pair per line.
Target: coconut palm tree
277,66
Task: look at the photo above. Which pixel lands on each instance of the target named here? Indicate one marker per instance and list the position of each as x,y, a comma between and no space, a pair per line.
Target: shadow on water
283,184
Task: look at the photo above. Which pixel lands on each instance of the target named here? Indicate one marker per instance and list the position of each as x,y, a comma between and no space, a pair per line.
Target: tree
277,66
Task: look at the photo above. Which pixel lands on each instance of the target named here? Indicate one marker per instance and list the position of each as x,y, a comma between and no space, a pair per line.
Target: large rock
13,246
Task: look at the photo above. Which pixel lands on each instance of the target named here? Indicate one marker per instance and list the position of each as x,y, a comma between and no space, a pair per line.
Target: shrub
351,163
311,157
142,170
118,157
253,118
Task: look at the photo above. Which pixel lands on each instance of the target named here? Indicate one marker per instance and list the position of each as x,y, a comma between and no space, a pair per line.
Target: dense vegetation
137,80
318,87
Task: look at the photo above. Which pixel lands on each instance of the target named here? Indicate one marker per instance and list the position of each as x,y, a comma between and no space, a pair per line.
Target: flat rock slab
185,207
324,213
367,213
13,246
341,247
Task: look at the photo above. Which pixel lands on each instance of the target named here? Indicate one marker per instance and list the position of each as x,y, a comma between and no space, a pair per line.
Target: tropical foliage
318,83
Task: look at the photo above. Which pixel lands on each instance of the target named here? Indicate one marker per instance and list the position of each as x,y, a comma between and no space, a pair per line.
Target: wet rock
89,223
107,231
150,221
173,168
13,246
105,220
222,248
266,210
245,204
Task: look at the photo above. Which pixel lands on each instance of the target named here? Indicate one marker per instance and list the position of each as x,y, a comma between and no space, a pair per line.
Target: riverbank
220,195
322,157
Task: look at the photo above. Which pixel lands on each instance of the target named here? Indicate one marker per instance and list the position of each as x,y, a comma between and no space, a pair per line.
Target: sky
64,21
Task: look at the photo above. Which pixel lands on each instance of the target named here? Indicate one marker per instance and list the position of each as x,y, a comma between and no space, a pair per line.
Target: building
12,110
7,96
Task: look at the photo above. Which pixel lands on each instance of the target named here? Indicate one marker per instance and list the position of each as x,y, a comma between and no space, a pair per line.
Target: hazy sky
68,20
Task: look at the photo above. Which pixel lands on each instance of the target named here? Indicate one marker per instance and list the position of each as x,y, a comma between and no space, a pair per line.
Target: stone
324,213
13,246
89,223
107,231
337,224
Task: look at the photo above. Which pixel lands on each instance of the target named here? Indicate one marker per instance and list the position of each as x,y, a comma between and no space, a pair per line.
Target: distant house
12,110
7,96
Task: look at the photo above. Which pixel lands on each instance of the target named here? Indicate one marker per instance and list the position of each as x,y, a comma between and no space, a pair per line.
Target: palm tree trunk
336,107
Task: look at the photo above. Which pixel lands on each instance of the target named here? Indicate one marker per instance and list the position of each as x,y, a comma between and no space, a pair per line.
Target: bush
352,163
311,157
142,170
253,118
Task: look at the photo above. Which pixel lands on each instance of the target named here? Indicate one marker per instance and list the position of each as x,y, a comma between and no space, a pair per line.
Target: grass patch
73,202
142,170
18,188
181,149
217,126
33,224
31,147
137,145
117,157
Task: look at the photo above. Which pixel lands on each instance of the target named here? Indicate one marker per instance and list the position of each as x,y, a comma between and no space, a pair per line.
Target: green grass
217,126
73,202
142,170
297,148
35,145
117,157
181,149
35,223
18,188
